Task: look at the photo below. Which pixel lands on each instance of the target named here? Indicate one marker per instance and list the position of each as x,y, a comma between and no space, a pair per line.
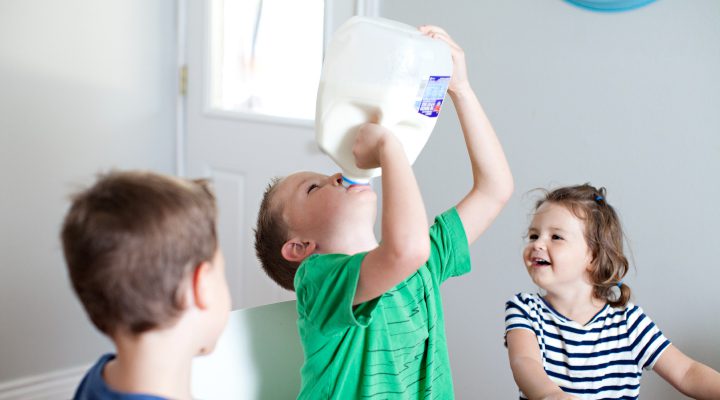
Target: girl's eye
556,237
533,237
312,187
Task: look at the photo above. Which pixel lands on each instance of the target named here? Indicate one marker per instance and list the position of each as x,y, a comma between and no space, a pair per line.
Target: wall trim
54,385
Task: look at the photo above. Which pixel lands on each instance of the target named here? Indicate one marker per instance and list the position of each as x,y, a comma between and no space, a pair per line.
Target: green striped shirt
392,347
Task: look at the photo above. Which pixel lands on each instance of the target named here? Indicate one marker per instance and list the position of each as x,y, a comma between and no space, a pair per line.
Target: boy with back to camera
370,314
143,257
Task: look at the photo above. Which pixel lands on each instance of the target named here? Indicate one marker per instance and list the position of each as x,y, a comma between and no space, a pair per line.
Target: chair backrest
258,356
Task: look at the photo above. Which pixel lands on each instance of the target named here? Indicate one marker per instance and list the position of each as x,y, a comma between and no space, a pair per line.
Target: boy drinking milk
370,312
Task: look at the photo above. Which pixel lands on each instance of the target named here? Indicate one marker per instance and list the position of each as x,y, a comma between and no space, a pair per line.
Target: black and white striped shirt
602,359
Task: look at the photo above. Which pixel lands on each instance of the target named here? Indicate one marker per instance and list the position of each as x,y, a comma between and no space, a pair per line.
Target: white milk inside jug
379,69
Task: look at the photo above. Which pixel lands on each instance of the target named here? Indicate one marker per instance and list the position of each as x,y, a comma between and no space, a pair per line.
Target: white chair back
257,357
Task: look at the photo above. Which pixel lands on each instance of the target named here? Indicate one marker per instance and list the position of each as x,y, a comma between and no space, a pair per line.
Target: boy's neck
152,363
351,241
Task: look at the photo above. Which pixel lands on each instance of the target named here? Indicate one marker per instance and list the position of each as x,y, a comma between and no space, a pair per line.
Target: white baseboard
55,385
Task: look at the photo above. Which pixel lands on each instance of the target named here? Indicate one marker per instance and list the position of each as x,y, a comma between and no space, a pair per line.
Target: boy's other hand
369,143
459,80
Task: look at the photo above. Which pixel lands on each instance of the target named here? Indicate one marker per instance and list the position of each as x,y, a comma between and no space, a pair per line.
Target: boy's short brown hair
131,242
271,233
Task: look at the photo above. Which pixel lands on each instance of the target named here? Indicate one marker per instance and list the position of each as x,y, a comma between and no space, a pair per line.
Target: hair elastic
598,198
619,284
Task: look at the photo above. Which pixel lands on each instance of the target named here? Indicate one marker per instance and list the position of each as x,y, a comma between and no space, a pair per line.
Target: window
266,56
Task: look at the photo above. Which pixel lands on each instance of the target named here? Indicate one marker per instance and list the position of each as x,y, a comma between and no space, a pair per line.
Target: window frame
244,115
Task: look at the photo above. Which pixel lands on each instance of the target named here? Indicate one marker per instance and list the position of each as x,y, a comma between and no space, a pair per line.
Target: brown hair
131,242
603,234
271,234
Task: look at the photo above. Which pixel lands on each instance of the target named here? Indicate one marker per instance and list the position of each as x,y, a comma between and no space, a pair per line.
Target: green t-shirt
391,347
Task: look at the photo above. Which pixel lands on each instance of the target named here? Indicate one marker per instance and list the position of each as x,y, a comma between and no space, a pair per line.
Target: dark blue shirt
93,386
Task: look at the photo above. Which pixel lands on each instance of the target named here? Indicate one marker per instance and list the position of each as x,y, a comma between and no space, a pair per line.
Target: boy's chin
205,350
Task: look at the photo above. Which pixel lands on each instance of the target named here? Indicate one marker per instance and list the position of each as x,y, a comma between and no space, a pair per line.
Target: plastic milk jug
375,68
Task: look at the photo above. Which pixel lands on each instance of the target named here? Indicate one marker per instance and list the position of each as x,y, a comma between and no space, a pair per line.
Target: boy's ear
296,250
201,285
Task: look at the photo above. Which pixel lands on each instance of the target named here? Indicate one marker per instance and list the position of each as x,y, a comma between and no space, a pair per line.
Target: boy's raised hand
405,244
492,181
459,78
368,144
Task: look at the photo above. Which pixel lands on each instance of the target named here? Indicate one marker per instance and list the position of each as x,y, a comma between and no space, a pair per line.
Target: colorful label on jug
432,94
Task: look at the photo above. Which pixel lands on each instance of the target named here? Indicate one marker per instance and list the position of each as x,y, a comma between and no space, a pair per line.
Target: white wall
629,101
84,86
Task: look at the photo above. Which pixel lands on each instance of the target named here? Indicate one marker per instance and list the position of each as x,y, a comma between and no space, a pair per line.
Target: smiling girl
583,338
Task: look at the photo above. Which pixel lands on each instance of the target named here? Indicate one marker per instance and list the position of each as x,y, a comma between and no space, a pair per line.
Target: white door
241,154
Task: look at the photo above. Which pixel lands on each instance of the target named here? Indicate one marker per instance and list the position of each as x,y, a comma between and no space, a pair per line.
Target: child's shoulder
524,300
628,310
327,269
525,297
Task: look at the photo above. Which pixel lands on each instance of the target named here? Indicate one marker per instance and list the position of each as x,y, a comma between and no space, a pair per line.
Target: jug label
432,94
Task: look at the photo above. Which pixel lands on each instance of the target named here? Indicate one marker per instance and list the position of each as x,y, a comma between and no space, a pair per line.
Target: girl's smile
557,255
539,262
